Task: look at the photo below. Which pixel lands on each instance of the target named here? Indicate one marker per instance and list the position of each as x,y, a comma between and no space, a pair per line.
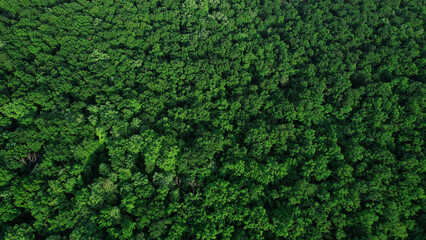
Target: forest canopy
212,119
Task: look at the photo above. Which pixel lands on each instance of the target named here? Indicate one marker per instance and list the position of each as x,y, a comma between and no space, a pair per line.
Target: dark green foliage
212,119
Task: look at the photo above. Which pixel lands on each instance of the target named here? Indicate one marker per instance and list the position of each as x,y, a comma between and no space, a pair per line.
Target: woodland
212,119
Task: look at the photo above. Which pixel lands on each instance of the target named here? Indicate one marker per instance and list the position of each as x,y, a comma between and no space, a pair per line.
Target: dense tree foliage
212,119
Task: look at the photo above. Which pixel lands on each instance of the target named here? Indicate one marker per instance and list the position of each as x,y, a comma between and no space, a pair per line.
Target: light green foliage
20,232
212,119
